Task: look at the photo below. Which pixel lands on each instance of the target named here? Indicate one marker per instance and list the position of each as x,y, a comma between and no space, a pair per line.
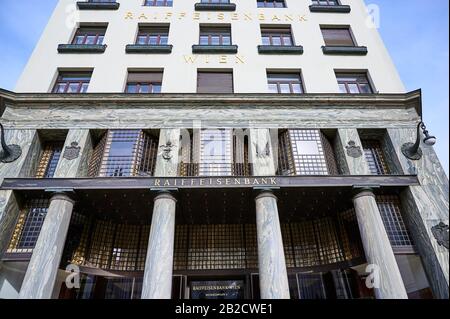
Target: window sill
343,50
214,48
84,5
215,6
150,49
82,48
280,49
325,8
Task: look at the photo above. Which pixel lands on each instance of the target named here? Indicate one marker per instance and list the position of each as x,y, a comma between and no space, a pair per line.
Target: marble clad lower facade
220,197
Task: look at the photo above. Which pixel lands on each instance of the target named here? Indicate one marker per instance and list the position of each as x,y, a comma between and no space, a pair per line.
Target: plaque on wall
225,289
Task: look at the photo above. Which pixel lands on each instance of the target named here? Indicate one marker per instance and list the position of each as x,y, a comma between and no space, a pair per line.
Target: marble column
377,247
9,212
157,282
41,273
425,207
273,279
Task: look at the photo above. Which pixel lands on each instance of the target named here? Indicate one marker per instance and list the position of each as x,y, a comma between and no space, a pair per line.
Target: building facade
217,150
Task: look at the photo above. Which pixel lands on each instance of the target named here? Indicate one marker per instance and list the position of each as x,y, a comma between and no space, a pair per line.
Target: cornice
398,100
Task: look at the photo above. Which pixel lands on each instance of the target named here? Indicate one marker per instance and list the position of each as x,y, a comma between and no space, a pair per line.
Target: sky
416,33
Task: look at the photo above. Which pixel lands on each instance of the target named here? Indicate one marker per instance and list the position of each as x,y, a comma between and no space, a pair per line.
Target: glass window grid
215,35
158,3
308,164
68,82
390,210
325,2
28,226
280,37
285,83
143,87
152,36
354,83
217,163
89,36
49,159
374,154
271,4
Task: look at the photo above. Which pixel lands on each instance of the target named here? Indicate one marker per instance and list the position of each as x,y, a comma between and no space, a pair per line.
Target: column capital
265,192
168,193
66,194
364,190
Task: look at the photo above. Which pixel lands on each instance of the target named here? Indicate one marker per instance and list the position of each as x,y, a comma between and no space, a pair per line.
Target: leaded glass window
49,159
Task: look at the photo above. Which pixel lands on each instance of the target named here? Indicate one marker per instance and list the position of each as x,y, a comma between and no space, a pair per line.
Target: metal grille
96,159
29,226
305,152
125,153
49,159
322,241
375,157
390,211
106,245
207,247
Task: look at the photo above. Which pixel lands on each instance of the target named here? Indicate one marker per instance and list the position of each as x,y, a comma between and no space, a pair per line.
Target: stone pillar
426,206
157,282
41,273
75,156
377,247
273,279
9,212
350,155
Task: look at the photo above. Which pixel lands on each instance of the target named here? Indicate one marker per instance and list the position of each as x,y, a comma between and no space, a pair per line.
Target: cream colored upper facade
180,67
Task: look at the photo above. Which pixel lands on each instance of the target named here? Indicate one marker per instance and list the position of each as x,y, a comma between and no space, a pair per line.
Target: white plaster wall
110,68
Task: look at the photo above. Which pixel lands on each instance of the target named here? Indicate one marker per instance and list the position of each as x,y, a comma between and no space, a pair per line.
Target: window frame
281,33
161,32
223,31
339,27
153,3
290,82
88,31
359,84
263,4
68,83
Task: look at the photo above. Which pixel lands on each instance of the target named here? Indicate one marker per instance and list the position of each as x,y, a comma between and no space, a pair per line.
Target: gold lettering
196,16
223,59
288,17
261,17
275,18
247,17
129,15
157,182
207,59
181,15
302,18
234,16
220,16
190,58
209,16
143,16
168,15
239,59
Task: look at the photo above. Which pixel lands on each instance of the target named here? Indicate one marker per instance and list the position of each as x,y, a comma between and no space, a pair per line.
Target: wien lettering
215,182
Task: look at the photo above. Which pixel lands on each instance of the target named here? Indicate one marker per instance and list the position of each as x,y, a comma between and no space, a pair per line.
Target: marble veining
72,168
157,282
41,273
9,212
261,152
168,167
354,165
272,264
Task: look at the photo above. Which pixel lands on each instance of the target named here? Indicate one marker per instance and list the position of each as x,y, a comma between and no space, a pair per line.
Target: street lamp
412,150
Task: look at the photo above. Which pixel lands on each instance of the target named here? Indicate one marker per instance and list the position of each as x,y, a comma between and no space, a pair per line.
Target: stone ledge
82,48
214,49
149,49
325,8
280,49
85,5
215,6
343,50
